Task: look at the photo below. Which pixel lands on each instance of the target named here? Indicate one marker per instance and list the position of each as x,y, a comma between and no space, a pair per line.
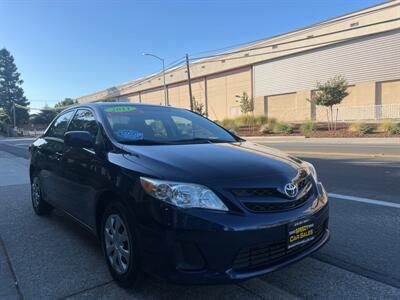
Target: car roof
105,104
97,105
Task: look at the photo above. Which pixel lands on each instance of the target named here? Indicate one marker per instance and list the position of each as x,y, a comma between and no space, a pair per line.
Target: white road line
16,140
20,145
365,200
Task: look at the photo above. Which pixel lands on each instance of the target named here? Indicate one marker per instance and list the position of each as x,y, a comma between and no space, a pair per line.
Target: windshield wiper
201,140
144,142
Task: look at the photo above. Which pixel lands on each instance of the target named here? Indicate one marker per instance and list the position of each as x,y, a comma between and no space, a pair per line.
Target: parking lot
54,258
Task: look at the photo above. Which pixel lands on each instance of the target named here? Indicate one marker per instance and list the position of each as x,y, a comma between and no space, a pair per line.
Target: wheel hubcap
35,193
117,243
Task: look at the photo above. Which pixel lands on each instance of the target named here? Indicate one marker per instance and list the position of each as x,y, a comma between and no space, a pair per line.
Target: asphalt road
53,258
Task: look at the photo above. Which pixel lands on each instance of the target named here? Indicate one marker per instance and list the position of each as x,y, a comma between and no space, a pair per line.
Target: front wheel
40,206
120,246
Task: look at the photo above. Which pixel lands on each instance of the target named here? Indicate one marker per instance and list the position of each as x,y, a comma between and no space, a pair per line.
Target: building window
274,46
355,24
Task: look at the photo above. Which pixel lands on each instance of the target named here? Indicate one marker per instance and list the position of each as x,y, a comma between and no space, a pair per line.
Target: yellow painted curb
352,154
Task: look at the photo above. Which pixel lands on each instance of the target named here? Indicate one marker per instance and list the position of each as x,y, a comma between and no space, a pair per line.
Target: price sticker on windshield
131,135
120,109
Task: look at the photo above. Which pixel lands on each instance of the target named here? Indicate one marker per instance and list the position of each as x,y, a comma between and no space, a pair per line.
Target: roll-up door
373,58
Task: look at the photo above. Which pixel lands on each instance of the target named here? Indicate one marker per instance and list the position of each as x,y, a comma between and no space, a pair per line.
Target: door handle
58,155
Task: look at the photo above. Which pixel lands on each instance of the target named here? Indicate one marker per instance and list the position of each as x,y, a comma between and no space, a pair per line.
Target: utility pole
14,116
189,82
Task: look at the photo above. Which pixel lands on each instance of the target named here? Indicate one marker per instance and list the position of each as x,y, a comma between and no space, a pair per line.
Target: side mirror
79,139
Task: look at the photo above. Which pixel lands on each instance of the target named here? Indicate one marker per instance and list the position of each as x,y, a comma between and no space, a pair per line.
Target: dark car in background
170,193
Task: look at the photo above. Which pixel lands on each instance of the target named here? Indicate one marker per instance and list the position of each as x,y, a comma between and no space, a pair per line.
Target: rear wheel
120,246
40,206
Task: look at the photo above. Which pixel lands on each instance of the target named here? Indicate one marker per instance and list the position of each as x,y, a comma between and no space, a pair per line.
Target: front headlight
185,195
312,171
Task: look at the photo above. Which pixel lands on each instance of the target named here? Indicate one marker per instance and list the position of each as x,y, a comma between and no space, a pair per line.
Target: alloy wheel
36,195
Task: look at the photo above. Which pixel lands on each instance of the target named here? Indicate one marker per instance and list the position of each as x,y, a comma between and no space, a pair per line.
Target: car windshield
152,125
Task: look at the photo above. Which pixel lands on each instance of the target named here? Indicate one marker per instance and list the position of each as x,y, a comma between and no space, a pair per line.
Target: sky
71,48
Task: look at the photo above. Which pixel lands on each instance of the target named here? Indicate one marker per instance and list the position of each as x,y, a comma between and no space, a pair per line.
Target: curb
279,137
345,154
327,141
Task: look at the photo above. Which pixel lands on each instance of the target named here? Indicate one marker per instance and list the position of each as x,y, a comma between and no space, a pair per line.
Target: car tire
120,245
40,206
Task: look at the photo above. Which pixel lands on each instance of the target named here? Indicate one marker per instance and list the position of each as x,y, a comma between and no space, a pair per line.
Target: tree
45,116
328,94
4,119
11,91
66,102
246,103
198,107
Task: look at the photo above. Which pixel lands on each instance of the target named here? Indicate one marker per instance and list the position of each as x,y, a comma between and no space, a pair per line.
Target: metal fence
364,112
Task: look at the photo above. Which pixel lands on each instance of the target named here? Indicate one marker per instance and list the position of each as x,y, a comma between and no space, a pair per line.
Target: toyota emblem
291,190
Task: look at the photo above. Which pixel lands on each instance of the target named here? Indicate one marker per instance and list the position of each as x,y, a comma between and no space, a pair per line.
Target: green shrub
355,127
394,130
360,128
244,120
265,129
251,120
386,126
308,126
260,120
365,128
281,127
271,121
229,124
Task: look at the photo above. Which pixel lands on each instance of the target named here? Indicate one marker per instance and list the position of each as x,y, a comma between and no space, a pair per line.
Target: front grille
277,206
267,192
261,200
262,256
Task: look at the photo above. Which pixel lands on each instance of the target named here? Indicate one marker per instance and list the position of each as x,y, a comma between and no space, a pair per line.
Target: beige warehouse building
280,72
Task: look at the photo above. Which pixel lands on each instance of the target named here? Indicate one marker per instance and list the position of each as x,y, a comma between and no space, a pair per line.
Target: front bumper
209,247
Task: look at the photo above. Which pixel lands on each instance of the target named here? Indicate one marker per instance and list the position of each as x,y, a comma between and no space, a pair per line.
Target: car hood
217,162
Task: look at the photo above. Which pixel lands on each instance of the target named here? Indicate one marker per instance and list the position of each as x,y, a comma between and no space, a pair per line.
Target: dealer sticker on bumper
300,232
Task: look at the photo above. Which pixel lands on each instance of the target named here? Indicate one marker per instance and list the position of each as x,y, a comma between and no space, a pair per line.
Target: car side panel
84,178
48,155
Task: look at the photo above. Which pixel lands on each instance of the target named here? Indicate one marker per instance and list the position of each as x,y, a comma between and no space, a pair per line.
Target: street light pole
163,71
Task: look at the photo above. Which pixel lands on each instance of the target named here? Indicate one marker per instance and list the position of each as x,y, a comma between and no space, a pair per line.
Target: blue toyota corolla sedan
171,193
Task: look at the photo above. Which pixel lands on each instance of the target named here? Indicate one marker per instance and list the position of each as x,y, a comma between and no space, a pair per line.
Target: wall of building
153,96
361,60
280,72
218,92
222,90
289,107
382,18
135,97
388,92
178,94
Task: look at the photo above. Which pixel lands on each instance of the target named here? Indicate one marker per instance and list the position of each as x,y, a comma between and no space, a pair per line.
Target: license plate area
300,233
